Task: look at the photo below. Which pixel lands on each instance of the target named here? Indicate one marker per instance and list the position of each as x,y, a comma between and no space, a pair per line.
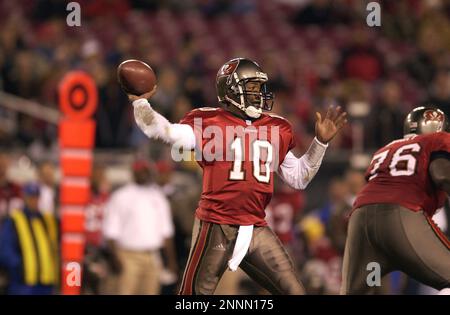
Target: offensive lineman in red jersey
391,223
239,148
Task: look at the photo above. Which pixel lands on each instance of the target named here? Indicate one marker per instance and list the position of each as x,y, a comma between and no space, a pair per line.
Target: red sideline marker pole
78,100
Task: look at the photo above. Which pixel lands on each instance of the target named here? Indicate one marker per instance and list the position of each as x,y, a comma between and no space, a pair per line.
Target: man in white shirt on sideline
137,224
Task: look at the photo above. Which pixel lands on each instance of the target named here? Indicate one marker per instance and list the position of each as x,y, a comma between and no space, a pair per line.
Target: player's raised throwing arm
156,126
298,172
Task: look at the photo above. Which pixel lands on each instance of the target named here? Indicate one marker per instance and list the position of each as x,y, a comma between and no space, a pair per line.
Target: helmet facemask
250,95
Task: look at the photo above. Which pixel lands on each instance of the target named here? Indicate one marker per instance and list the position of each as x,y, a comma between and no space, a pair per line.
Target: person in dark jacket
28,247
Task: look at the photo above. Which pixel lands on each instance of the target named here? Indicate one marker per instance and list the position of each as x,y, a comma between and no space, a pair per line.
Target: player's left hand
329,126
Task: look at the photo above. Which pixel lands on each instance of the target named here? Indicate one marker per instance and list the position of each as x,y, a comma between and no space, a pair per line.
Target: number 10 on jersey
260,171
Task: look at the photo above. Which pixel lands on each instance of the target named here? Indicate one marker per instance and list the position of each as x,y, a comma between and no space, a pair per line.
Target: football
136,77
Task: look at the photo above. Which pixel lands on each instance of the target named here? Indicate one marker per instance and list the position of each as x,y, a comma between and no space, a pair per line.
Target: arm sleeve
298,172
155,126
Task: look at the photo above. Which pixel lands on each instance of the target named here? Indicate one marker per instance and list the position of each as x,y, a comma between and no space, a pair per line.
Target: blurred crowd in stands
316,52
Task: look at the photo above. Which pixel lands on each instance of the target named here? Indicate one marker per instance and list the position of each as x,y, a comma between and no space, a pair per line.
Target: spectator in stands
168,90
181,107
193,91
117,9
29,247
385,121
47,9
35,58
321,12
432,41
212,9
137,224
361,60
399,20
24,76
440,91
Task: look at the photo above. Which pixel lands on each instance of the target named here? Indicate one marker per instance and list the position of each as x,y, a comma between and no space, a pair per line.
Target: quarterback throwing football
239,148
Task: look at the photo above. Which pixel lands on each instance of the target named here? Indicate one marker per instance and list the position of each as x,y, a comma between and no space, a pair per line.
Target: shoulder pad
206,109
281,120
276,116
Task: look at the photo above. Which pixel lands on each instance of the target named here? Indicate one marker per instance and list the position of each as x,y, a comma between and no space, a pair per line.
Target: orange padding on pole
74,194
77,133
76,166
72,222
72,250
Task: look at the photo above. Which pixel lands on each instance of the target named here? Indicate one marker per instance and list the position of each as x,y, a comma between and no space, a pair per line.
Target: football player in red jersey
391,224
239,148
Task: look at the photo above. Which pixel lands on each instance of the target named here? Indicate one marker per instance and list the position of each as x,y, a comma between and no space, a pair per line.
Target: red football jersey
398,174
238,158
94,219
